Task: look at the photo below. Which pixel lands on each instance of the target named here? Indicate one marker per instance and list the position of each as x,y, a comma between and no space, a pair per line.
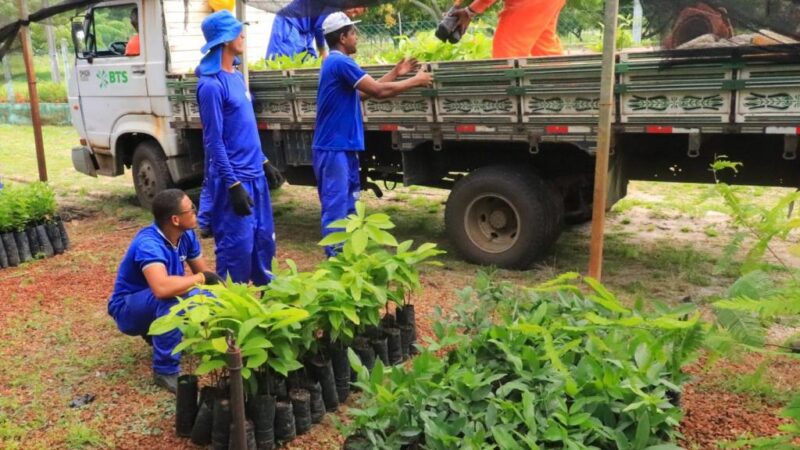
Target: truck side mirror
80,39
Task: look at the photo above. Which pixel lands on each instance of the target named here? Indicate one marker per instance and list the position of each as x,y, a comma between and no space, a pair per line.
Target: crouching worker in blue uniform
339,133
152,275
238,173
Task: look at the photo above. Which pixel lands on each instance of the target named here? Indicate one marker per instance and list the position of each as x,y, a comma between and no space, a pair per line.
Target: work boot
168,382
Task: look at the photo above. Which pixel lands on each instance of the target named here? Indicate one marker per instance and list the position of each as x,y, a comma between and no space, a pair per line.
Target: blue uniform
296,28
245,245
134,306
338,137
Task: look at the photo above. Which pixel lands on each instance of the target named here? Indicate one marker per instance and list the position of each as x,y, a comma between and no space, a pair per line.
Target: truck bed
555,98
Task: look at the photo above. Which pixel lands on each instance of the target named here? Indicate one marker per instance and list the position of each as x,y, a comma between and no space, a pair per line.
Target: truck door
111,70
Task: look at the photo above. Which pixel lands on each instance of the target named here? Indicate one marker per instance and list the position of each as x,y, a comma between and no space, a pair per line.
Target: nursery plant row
29,225
295,334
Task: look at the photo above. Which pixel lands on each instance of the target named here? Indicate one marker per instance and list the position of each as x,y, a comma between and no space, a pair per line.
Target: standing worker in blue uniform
237,173
152,274
297,28
339,133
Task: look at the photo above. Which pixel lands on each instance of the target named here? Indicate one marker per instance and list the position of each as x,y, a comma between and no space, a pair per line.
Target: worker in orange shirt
132,48
525,28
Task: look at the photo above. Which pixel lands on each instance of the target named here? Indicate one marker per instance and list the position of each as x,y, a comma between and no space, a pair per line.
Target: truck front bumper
83,161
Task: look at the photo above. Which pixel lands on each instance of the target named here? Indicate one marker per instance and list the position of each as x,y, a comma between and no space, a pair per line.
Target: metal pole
603,140
638,14
234,360
65,58
52,51
36,119
9,80
241,15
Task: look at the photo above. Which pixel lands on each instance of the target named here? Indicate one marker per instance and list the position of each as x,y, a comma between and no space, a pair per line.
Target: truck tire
503,216
150,172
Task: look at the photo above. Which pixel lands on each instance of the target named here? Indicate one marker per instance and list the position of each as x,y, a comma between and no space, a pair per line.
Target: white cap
336,21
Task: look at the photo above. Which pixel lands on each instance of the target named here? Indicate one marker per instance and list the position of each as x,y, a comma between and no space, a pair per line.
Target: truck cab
119,98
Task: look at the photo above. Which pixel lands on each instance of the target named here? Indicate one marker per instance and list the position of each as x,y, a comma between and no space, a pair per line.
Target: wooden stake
36,118
603,140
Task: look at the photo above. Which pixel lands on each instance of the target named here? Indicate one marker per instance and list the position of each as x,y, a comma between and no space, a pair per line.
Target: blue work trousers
338,186
245,245
135,312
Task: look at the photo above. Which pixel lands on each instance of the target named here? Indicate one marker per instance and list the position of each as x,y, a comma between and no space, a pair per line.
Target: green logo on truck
112,77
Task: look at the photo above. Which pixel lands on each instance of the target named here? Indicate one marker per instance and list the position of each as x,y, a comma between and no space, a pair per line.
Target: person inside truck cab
152,274
237,175
525,27
339,131
132,48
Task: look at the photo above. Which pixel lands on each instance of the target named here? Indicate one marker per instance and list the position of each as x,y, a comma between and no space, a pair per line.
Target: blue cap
218,28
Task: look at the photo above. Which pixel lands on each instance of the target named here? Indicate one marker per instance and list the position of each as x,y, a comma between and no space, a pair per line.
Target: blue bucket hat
218,28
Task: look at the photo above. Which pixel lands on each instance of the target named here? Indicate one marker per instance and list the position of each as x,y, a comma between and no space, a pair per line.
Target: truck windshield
113,31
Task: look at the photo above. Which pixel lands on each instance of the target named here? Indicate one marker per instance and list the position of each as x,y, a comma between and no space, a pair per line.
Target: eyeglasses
192,210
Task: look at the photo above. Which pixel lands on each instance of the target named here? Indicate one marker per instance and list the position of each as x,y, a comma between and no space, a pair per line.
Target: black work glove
212,278
274,177
241,199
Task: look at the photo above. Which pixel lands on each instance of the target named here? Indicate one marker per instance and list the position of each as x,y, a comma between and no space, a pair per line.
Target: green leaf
333,238
257,360
382,237
259,342
220,344
504,439
283,366
642,431
184,344
359,239
247,327
351,315
199,313
209,366
164,324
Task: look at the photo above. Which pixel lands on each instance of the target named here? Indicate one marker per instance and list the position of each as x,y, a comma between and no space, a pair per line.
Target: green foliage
276,324
24,204
761,223
755,299
555,368
624,35
371,269
284,62
426,47
49,92
266,332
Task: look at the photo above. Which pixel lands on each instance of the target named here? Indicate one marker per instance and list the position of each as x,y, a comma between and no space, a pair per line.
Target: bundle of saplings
29,225
564,365
296,333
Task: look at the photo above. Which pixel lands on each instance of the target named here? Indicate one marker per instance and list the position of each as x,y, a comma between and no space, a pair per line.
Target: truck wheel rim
492,223
147,179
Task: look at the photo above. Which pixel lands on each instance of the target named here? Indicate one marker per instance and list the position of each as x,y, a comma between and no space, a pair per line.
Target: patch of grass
18,155
711,232
757,385
80,436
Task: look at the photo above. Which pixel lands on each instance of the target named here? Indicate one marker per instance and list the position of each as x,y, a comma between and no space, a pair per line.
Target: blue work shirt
230,131
339,126
149,247
293,35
